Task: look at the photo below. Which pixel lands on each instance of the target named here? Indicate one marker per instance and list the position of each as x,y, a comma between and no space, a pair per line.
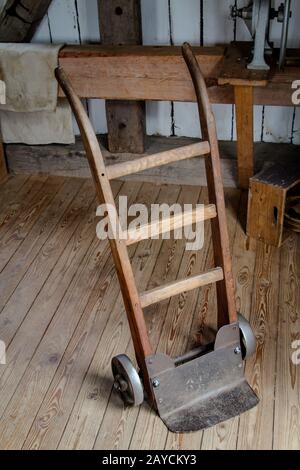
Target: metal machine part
257,16
285,32
127,381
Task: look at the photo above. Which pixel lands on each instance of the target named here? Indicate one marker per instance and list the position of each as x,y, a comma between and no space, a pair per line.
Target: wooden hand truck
203,387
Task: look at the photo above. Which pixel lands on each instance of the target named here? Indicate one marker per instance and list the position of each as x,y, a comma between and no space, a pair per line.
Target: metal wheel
127,381
285,32
248,340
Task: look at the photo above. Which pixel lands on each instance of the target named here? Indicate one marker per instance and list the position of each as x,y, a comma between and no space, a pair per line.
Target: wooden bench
159,73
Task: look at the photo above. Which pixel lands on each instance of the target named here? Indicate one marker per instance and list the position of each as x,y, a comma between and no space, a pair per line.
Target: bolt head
117,386
156,383
237,350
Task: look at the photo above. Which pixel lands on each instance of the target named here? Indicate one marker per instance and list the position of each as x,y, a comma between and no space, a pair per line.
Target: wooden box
267,201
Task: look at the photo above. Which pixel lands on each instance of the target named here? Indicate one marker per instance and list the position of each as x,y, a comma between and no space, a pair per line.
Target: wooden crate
267,201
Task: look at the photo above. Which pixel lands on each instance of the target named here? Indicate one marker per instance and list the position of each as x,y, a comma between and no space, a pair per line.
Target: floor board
286,426
62,319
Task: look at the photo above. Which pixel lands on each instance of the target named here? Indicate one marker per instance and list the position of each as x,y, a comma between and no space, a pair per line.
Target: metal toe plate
203,392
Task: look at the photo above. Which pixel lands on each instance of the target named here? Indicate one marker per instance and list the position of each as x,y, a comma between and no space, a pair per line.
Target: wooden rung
169,290
170,224
158,159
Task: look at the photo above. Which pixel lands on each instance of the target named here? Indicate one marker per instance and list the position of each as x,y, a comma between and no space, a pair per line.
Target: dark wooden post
19,19
120,24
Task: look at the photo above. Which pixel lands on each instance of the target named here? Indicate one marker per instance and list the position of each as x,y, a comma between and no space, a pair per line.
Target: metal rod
189,356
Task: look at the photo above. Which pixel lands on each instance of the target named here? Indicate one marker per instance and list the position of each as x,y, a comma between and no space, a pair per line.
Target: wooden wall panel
42,34
64,27
89,32
277,124
218,28
156,31
186,26
64,22
81,27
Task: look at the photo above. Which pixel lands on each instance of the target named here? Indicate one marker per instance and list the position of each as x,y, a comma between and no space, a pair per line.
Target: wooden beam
244,127
19,19
70,160
120,23
160,74
152,73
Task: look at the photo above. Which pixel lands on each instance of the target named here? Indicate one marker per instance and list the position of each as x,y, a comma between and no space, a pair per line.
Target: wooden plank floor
62,319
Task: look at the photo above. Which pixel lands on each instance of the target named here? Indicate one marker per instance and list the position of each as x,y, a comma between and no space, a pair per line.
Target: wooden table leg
3,167
244,124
